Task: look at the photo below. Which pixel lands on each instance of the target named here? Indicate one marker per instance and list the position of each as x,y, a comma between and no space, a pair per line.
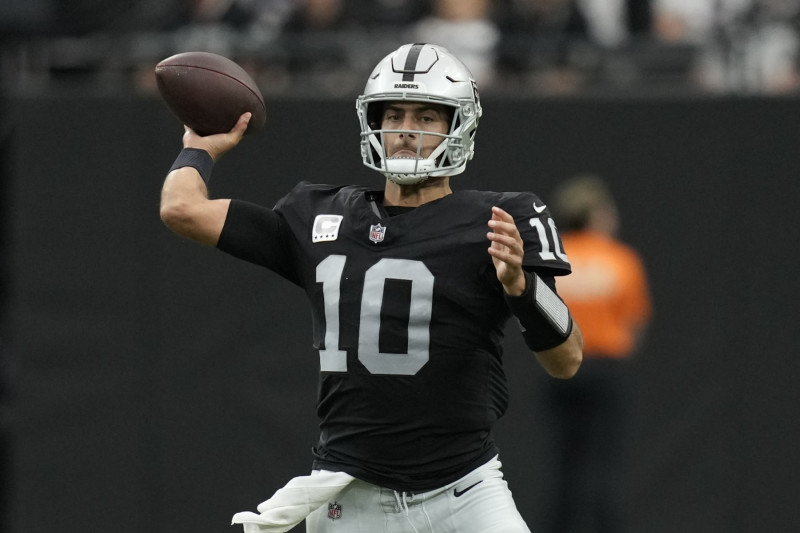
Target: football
209,92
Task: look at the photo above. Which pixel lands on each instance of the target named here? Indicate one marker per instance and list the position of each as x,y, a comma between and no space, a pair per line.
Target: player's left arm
558,342
564,360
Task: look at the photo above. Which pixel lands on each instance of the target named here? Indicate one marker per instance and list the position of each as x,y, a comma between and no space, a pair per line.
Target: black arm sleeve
544,319
259,235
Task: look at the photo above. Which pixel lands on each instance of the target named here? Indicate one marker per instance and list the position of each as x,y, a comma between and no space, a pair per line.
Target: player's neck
417,194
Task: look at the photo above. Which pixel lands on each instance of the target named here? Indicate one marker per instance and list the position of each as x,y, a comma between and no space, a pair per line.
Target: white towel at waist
292,503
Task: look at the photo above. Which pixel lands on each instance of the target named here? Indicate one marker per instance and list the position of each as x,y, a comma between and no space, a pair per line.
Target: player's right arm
185,206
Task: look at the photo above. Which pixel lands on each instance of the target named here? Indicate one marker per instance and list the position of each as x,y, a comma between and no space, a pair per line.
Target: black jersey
408,319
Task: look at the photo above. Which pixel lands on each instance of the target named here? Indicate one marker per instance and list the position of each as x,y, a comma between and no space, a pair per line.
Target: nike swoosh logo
458,493
539,208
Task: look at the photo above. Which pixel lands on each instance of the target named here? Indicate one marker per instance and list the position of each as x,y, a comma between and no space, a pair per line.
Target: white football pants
480,502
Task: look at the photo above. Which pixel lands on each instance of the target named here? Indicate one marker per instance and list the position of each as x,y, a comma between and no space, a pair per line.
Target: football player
411,286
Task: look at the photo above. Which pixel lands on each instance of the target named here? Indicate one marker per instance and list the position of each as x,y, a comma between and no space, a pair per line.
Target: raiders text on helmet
420,73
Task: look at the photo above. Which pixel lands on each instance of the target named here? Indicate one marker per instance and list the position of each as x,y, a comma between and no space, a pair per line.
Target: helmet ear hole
450,114
374,113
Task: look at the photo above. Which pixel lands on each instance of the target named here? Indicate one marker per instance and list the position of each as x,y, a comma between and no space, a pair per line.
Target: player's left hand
507,251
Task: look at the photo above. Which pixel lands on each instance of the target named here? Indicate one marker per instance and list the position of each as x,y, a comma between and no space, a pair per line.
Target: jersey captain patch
326,228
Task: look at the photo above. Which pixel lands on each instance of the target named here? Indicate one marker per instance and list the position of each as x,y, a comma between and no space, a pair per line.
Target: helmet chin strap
408,171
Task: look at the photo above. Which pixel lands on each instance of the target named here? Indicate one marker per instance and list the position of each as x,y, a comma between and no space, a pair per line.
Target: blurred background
518,48
149,384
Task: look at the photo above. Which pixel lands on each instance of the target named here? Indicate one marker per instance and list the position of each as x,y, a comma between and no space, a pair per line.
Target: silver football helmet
420,73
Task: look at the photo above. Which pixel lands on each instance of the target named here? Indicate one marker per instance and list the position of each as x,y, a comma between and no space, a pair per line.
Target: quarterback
411,286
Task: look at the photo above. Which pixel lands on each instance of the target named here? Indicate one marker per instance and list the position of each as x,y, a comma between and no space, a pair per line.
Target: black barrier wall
163,386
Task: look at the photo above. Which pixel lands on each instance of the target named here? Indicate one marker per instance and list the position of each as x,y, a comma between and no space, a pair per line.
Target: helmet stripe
409,69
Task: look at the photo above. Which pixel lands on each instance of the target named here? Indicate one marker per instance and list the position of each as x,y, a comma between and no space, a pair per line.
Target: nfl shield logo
334,511
377,232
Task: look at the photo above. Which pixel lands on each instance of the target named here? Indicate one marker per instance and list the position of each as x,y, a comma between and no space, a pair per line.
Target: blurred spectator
537,43
743,45
467,29
214,25
696,20
317,16
561,42
541,17
234,13
606,21
232,28
608,296
85,17
393,15
317,41
610,23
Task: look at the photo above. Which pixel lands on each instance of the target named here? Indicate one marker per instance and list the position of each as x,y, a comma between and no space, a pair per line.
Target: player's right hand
216,145
507,251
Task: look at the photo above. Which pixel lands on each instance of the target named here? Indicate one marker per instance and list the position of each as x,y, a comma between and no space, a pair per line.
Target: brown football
209,92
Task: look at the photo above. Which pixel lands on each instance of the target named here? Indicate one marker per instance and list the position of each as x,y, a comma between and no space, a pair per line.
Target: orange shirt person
608,295
607,292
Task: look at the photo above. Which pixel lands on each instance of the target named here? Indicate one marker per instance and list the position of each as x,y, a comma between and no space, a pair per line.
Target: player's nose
408,124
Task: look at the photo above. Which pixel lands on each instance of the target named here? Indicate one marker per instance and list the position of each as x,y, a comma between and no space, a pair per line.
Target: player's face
413,116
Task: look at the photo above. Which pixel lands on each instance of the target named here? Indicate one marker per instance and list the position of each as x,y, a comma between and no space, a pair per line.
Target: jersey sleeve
259,235
544,251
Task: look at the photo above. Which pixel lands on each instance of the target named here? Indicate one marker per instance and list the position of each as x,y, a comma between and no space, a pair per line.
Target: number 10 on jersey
332,359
